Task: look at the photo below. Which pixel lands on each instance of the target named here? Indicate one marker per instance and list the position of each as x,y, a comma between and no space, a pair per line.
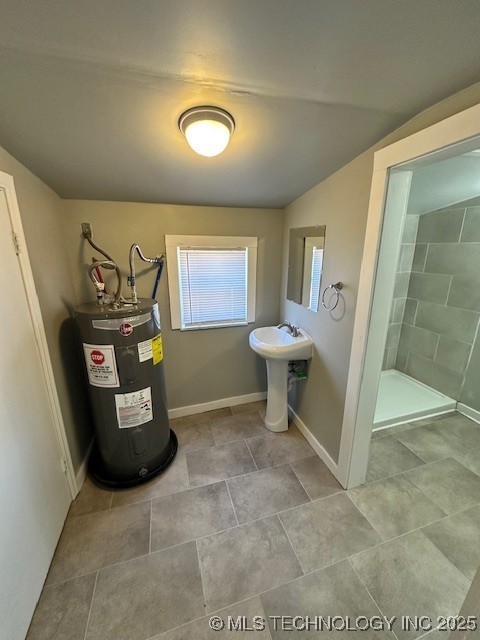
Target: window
317,261
211,281
312,271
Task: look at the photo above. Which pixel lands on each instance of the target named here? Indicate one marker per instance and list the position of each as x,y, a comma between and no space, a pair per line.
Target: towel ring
338,286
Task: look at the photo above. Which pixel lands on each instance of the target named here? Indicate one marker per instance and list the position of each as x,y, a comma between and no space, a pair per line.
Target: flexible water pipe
131,279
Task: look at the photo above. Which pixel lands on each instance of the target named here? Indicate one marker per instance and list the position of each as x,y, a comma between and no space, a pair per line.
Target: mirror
305,266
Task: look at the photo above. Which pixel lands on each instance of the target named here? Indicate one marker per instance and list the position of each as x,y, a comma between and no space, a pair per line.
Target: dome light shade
207,129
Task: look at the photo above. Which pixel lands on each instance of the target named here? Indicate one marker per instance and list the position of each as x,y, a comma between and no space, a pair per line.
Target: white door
34,493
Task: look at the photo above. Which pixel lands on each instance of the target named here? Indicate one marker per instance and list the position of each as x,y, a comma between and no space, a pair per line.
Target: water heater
122,347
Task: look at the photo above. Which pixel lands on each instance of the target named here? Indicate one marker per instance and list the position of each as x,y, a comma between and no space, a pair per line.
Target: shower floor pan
402,399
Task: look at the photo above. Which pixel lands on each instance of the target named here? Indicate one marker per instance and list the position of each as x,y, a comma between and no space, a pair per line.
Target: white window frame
172,243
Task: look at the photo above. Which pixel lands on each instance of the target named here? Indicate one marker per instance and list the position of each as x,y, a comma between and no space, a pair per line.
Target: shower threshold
403,399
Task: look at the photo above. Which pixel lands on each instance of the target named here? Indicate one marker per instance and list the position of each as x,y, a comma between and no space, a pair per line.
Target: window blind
213,286
317,263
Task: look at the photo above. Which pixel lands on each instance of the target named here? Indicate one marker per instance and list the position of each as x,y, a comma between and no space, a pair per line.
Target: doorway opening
415,351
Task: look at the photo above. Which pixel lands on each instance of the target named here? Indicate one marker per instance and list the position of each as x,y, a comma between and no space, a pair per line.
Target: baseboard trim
189,410
83,468
315,444
473,414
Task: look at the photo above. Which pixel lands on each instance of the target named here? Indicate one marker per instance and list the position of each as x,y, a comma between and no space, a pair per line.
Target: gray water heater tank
124,363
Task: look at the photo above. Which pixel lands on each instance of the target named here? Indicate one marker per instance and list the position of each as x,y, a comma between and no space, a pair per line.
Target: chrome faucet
291,327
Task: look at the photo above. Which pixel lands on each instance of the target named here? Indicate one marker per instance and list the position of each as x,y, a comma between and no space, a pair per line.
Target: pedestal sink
278,347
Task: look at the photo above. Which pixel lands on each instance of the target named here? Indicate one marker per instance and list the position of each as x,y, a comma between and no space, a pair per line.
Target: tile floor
247,522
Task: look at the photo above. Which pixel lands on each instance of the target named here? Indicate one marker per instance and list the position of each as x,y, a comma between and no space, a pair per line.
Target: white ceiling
91,91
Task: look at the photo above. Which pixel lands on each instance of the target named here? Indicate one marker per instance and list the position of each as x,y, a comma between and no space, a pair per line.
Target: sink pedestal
279,347
276,417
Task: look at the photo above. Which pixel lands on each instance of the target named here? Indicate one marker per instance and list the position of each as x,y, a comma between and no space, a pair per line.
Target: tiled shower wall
442,308
400,302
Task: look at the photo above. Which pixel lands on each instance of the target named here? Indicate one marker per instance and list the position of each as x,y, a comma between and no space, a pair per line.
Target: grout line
201,580
364,516
301,483
290,543
91,607
454,243
372,598
150,528
251,455
108,566
459,241
420,466
111,501
449,290
416,454
469,359
436,349
231,501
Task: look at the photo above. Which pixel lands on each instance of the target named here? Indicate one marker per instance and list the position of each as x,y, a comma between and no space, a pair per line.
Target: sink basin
278,347
278,344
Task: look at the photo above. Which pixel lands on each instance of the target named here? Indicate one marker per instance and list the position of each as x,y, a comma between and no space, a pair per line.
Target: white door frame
7,185
364,369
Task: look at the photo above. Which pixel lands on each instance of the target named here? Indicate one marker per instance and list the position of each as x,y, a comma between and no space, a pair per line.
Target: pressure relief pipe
131,278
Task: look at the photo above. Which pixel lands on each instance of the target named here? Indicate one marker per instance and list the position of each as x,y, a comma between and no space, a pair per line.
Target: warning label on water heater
134,409
145,351
101,365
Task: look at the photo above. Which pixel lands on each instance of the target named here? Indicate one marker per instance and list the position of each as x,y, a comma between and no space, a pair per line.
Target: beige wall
43,222
200,366
341,203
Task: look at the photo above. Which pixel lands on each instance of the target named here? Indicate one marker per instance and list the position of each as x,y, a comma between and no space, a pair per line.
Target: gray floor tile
448,483
265,492
92,497
237,427
278,448
219,463
409,576
62,611
245,561
470,459
395,506
97,540
332,591
207,416
388,457
429,443
440,438
458,537
193,437
190,514
144,597
327,530
200,629
175,423
260,405
459,428
174,479
316,478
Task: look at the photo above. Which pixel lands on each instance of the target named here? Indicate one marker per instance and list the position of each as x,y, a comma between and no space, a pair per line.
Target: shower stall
432,350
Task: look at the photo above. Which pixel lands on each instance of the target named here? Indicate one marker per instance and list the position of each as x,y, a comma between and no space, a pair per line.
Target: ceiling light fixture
207,129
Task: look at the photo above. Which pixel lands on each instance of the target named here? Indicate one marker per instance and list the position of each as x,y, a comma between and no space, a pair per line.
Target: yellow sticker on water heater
157,349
